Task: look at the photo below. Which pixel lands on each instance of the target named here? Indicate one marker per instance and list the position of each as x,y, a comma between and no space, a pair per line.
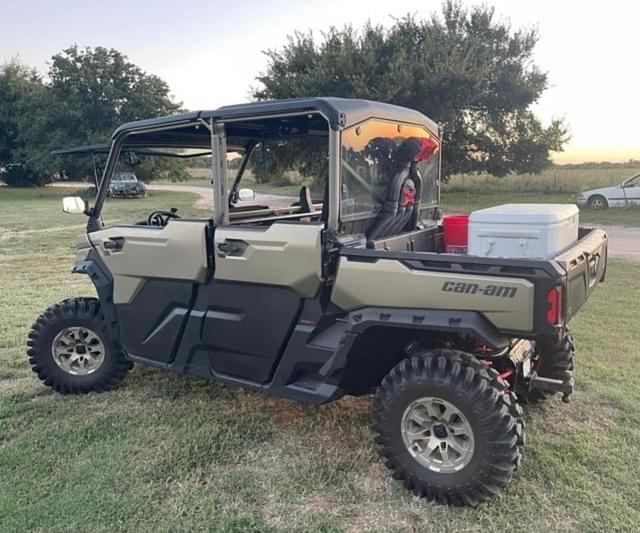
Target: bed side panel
507,302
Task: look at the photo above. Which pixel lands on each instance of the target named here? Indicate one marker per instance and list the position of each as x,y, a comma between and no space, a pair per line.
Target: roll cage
212,132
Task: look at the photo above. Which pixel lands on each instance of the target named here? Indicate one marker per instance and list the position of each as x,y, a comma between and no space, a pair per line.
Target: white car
627,194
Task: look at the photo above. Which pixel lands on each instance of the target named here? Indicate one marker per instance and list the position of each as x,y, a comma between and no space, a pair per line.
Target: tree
20,88
87,94
466,70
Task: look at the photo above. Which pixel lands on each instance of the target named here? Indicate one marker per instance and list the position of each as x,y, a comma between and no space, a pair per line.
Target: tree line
463,67
85,95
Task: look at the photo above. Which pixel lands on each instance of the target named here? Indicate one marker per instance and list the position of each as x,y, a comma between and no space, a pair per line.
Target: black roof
341,113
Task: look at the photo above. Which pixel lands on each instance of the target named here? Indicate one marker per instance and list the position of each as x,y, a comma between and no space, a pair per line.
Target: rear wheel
555,360
71,350
448,427
598,202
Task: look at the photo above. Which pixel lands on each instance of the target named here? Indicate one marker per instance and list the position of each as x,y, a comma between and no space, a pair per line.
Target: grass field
556,179
170,453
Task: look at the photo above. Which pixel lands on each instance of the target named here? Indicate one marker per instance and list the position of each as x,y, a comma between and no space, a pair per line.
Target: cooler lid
525,213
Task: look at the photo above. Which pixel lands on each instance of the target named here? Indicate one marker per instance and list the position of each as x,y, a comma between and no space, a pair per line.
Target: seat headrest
415,149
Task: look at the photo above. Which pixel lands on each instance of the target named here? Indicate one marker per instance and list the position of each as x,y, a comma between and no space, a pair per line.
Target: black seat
402,199
398,208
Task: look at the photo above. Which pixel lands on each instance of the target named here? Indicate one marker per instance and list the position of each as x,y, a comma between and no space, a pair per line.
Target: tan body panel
389,283
281,254
176,251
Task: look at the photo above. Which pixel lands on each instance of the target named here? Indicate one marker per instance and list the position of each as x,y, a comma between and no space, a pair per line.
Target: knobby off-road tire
71,350
556,360
450,382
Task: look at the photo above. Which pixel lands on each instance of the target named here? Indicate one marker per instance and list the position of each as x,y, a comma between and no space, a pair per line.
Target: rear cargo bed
382,277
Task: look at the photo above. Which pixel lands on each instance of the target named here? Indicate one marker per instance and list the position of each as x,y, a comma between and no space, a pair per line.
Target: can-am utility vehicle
346,293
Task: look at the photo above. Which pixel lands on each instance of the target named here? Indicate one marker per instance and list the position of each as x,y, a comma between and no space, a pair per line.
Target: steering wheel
161,218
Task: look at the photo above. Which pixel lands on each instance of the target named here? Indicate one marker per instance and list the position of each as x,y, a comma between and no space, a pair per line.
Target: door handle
233,248
113,244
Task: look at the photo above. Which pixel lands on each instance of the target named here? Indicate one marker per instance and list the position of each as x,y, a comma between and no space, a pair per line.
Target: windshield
125,176
372,154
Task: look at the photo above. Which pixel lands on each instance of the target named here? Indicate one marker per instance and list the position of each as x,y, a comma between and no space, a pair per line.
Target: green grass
553,180
171,453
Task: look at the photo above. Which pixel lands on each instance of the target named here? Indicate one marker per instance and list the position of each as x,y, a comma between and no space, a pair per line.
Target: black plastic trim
436,320
94,267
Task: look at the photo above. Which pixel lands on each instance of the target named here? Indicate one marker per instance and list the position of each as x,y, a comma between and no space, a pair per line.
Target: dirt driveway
205,194
624,242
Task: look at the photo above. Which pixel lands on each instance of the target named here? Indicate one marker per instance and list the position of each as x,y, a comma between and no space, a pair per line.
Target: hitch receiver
555,385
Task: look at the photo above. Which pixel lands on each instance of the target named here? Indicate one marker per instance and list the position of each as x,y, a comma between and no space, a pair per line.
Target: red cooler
456,234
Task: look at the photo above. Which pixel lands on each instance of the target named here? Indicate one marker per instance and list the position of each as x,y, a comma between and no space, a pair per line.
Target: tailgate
585,264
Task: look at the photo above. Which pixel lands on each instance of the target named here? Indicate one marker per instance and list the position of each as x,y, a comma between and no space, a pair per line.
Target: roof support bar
334,180
219,173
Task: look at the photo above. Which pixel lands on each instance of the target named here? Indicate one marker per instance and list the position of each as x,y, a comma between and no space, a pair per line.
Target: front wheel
598,202
71,350
448,427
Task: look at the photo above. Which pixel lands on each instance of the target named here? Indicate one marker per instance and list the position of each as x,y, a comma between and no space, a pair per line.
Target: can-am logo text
474,288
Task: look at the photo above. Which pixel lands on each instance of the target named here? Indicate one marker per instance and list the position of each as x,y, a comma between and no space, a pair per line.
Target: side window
290,163
369,161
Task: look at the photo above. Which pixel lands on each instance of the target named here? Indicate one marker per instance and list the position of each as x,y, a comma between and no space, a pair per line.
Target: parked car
126,185
627,194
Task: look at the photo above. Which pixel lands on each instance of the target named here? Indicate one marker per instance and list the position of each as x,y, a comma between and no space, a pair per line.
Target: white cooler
523,230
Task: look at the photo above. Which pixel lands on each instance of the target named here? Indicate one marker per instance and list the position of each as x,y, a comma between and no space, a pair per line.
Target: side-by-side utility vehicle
346,291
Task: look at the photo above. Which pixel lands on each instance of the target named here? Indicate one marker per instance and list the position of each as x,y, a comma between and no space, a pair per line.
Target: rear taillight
554,306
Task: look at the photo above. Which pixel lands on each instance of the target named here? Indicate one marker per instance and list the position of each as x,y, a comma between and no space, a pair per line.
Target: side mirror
246,194
74,205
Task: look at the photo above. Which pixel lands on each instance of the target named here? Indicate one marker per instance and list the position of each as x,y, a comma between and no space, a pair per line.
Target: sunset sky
209,52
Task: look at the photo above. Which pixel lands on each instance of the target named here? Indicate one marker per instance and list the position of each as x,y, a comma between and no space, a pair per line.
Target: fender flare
93,267
439,320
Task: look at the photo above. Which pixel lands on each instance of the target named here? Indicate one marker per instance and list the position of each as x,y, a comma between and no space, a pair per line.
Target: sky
210,52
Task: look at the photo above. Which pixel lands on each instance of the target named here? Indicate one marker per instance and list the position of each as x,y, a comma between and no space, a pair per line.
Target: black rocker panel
245,326
151,325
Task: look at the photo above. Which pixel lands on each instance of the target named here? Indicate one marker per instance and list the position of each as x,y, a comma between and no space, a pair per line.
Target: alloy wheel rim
437,435
78,351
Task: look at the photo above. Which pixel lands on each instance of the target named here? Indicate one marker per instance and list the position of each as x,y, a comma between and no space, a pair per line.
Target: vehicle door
631,189
262,275
265,265
153,273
